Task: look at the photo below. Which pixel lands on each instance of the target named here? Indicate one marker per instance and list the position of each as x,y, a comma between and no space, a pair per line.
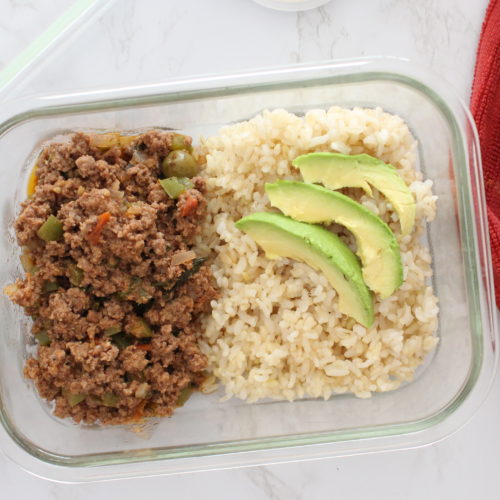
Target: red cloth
485,106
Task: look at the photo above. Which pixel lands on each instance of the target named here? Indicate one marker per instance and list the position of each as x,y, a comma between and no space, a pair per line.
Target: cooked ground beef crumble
117,296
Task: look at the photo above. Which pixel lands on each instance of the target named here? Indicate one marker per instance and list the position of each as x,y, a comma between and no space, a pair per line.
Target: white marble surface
152,40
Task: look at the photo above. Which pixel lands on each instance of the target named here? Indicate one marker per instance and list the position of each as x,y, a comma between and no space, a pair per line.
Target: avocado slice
377,245
336,170
280,236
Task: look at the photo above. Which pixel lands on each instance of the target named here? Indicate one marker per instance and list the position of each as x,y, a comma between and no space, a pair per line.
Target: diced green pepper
180,141
49,286
110,399
137,291
175,186
120,296
122,340
172,187
51,229
43,338
139,377
93,400
139,328
112,330
27,263
144,296
75,274
162,284
74,399
184,395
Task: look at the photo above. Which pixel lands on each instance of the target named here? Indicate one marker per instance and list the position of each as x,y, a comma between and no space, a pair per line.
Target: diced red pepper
143,347
190,205
95,234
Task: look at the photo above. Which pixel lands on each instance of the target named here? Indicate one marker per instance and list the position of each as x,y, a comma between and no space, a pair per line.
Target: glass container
207,433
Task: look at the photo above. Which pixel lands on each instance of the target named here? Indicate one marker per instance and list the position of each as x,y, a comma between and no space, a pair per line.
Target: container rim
67,24
269,450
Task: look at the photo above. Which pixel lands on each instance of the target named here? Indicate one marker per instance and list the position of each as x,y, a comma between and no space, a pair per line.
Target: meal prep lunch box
207,433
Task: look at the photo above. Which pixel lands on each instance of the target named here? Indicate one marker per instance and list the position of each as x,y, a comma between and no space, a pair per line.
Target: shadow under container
206,433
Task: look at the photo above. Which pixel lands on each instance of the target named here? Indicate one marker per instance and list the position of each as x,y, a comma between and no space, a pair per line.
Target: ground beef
117,323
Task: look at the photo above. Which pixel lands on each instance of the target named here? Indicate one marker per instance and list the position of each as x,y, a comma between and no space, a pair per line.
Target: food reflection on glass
282,257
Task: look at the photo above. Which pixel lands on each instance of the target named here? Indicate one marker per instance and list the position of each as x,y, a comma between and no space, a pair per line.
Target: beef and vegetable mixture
113,286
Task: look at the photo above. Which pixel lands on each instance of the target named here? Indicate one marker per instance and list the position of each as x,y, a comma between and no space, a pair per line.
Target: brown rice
276,331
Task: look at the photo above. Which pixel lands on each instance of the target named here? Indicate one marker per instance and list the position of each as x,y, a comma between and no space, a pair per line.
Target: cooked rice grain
276,331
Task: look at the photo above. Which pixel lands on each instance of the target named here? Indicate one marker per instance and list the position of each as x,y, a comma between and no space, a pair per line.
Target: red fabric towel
485,106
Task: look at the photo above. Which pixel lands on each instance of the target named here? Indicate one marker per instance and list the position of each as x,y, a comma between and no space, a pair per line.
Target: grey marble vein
273,487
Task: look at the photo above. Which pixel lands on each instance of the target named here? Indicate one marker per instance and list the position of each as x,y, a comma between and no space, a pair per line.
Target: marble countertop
150,41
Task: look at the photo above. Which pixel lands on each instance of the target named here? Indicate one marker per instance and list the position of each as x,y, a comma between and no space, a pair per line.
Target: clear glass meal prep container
207,433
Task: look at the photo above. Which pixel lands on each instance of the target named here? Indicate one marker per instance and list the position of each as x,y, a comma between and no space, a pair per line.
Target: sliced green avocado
377,245
280,236
335,171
